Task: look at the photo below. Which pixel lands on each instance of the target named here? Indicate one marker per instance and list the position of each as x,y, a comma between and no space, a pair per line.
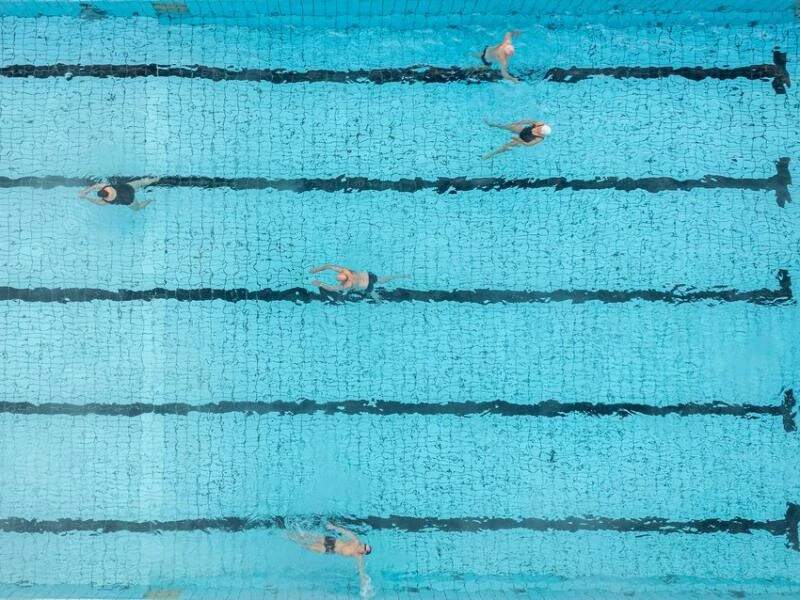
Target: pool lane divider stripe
787,526
412,74
499,408
778,183
777,71
298,295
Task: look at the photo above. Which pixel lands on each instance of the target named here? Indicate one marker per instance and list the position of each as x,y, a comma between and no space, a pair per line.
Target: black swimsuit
372,279
330,544
526,135
125,194
483,57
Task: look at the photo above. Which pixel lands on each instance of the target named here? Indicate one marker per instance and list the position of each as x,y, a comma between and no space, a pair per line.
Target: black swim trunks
125,194
526,135
330,544
372,279
483,57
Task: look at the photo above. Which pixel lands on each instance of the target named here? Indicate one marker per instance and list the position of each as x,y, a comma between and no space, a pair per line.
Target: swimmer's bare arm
362,574
503,59
504,69
92,188
326,287
511,34
326,268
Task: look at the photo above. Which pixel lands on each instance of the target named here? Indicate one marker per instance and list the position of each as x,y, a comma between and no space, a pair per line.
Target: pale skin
112,193
351,546
349,279
500,54
516,140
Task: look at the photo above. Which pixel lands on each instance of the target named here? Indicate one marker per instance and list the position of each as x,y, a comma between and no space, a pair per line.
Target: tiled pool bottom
586,392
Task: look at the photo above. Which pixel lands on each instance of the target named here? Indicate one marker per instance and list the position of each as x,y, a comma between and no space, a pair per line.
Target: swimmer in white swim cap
529,133
500,54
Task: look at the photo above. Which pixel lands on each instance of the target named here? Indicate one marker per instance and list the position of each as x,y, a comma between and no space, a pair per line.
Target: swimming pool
587,390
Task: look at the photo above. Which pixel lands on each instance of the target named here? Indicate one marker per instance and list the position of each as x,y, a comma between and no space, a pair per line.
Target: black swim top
526,135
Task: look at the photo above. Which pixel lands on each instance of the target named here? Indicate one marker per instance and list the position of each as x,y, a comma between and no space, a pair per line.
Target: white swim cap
545,129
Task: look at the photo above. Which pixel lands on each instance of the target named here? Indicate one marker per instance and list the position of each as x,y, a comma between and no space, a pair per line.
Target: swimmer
500,54
529,133
359,281
352,547
120,194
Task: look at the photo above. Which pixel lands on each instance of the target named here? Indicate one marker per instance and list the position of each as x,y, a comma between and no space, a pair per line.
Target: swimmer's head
341,276
545,130
367,549
508,50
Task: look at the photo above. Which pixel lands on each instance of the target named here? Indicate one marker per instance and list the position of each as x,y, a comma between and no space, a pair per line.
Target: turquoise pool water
587,390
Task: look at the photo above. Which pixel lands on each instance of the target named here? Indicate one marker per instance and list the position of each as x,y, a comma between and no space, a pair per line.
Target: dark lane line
412,74
546,409
778,183
779,527
300,295
776,71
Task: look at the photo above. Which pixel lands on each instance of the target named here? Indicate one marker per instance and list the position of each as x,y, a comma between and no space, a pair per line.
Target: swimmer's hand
316,282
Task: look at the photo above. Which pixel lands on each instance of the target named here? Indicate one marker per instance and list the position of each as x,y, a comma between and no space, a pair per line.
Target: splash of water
367,591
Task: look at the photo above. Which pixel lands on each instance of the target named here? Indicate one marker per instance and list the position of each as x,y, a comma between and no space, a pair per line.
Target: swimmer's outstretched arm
92,188
362,574
511,34
504,69
326,287
326,268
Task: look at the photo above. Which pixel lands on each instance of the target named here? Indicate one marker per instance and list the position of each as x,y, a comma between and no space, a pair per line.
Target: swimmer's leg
316,547
514,127
479,56
143,182
501,149
486,61
308,540
139,205
387,278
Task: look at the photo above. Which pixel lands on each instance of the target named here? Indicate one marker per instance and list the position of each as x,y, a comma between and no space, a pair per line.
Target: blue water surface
157,468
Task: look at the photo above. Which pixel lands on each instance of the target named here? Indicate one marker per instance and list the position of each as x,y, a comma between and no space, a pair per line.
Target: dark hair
102,192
